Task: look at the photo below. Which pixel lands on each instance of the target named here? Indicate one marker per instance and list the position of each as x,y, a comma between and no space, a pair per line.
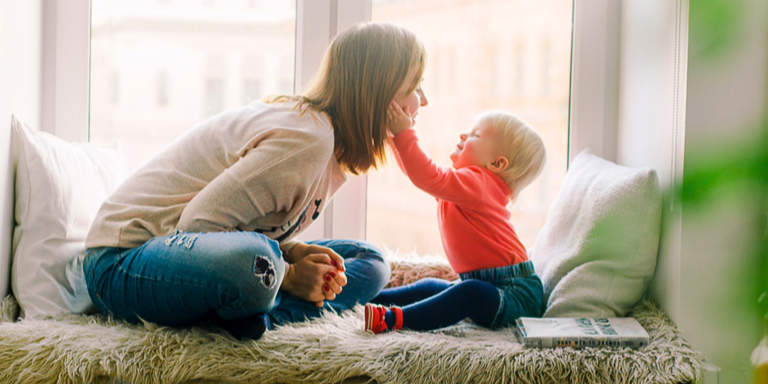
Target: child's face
479,147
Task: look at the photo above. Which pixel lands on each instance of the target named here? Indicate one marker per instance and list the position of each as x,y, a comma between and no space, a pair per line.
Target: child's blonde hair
521,145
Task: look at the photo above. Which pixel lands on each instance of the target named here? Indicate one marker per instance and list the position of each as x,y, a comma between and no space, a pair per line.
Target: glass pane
160,66
512,55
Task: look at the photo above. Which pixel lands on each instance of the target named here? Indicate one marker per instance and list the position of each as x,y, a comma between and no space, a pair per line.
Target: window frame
317,23
594,104
65,77
593,94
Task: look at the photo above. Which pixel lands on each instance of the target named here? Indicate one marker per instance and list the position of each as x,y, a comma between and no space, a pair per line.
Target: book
578,332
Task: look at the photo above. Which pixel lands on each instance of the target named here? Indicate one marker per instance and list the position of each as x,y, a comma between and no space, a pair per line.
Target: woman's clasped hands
315,273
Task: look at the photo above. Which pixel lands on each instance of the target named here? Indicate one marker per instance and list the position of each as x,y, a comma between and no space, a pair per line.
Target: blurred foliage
731,168
736,169
715,25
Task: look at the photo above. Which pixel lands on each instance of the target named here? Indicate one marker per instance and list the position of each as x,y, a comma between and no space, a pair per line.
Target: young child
491,164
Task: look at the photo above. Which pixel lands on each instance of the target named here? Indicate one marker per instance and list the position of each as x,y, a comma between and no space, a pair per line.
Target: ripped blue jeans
185,278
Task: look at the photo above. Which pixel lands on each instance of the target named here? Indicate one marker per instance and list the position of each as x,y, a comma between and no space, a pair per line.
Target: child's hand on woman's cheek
397,119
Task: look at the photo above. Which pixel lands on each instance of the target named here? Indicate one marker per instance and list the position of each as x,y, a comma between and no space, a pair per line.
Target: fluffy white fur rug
76,349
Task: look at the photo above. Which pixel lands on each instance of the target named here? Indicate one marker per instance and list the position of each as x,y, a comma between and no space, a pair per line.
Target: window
162,88
259,43
213,95
546,64
252,89
497,54
160,67
115,87
518,67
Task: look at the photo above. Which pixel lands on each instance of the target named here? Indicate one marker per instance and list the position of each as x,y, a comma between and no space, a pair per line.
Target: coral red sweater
472,214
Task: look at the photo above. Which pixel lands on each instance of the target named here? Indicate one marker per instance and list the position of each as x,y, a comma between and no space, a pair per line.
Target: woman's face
411,101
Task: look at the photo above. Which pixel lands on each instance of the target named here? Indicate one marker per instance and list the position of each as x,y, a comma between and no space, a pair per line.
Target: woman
204,231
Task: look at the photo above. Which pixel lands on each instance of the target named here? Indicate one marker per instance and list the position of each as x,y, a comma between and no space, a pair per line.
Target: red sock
398,312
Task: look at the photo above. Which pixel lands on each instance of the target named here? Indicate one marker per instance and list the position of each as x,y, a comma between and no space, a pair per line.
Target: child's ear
500,164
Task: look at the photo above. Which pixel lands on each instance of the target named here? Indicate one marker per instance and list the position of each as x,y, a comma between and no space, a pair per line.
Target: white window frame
65,76
594,78
317,23
593,101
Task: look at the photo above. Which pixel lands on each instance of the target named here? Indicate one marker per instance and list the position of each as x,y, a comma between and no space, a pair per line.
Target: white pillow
598,248
59,188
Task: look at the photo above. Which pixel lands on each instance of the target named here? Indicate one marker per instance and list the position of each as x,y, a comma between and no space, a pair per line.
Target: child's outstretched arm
397,121
395,152
460,186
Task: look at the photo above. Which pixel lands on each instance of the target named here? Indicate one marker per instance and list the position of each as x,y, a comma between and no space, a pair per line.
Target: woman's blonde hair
521,145
361,72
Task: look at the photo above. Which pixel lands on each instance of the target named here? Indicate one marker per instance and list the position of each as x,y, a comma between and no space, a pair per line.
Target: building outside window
160,67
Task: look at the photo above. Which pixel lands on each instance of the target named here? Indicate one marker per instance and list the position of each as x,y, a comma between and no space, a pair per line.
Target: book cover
581,332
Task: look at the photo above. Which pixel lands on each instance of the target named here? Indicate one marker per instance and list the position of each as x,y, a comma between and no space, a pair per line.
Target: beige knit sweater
261,167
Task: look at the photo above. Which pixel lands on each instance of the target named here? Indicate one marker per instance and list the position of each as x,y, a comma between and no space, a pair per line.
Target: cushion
59,188
598,248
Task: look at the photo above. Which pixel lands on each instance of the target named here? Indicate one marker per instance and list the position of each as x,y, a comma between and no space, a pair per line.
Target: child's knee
480,292
477,287
434,283
485,297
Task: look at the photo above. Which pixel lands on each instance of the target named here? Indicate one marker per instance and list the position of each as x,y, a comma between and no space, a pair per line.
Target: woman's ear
499,165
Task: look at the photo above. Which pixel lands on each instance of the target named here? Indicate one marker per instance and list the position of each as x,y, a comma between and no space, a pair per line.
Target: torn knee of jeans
264,270
171,238
189,241
180,238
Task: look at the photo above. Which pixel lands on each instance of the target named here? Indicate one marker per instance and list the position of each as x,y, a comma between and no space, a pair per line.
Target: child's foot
376,318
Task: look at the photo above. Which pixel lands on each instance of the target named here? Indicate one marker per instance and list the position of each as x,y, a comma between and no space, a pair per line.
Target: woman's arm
270,177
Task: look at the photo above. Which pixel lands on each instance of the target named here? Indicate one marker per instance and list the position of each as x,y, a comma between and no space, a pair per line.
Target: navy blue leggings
434,303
